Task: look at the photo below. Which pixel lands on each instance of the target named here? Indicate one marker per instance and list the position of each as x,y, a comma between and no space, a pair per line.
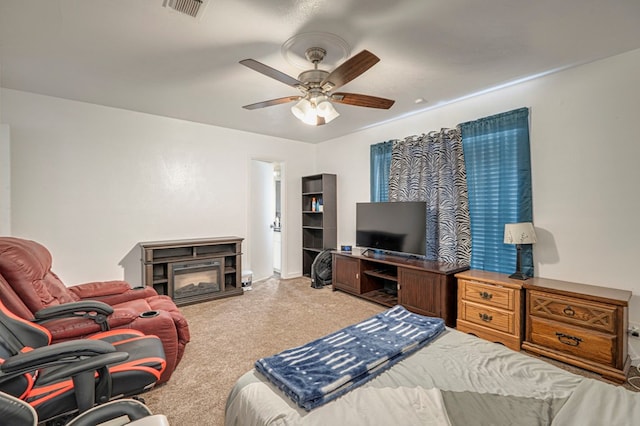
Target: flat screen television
395,227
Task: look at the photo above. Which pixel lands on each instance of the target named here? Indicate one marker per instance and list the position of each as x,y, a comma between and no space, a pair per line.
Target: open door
262,219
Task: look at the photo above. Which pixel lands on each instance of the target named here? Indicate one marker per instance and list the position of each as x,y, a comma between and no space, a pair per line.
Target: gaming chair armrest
57,354
88,364
92,309
79,360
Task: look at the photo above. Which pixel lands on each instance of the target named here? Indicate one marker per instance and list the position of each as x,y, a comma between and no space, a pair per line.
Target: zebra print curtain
431,168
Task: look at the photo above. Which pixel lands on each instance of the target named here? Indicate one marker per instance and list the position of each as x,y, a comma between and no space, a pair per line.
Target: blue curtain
498,166
379,170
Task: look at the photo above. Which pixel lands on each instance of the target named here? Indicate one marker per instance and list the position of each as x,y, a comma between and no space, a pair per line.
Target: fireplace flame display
193,279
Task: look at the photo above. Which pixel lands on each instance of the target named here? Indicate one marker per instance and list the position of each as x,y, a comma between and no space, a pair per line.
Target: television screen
397,227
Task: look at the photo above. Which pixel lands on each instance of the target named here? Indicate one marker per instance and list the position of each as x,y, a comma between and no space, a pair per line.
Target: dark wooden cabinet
319,217
420,291
422,286
346,274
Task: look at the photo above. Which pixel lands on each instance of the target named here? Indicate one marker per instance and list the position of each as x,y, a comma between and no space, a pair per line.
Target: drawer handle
568,340
568,311
485,317
486,295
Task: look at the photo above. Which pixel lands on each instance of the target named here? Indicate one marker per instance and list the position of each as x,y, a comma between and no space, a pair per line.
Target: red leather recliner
37,294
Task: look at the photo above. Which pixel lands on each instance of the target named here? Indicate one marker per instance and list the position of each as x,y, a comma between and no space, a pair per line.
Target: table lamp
519,234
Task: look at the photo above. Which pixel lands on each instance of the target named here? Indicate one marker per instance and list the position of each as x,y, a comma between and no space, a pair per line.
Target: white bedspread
457,379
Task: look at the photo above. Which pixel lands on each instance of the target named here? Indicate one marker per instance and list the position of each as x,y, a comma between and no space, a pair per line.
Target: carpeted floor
228,335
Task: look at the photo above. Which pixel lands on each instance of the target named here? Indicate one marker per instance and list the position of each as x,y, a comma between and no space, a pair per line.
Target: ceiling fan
314,105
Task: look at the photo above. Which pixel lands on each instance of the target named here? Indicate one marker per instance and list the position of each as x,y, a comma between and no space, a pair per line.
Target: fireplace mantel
214,262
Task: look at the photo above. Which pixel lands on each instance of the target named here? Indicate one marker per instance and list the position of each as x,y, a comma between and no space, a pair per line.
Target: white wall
5,180
90,182
585,149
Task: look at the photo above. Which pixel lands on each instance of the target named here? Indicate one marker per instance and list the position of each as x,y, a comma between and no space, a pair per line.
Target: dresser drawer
487,294
568,310
583,343
487,317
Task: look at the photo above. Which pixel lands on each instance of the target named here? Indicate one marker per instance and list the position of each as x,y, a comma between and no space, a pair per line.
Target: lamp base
519,276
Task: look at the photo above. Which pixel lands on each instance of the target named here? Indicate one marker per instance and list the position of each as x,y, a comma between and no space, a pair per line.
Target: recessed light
419,101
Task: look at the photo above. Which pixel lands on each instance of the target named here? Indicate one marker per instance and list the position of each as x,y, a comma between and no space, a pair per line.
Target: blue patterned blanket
324,369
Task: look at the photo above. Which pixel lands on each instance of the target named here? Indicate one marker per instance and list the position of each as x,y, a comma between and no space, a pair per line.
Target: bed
454,379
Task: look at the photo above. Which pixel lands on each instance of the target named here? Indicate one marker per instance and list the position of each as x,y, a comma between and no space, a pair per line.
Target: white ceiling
141,56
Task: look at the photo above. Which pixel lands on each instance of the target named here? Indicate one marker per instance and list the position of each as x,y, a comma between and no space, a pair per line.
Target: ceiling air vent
187,7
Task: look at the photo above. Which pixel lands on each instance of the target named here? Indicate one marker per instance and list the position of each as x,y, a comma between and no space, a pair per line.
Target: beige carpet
228,335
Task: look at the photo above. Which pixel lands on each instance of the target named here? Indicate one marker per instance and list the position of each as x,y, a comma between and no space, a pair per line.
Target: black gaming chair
73,376
14,411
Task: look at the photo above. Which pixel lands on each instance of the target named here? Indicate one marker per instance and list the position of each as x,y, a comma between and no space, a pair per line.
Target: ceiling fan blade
362,100
350,69
272,102
271,72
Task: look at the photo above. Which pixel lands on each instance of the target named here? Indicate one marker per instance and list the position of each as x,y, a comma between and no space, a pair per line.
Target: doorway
266,215
277,224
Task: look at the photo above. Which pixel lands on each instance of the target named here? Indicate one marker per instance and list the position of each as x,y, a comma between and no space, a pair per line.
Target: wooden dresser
579,324
490,306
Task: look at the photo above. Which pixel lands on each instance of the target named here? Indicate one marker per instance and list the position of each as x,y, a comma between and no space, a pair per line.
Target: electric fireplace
193,270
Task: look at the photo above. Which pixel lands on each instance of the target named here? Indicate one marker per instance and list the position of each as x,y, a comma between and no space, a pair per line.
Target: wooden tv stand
422,286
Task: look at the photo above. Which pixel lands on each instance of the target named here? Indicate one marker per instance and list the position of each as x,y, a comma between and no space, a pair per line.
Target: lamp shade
327,111
300,108
305,112
519,233
324,107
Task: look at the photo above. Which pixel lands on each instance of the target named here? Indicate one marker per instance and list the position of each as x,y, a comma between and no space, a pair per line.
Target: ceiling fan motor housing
312,77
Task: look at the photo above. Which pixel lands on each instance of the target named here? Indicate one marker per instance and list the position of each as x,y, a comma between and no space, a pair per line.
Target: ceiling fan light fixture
333,114
324,107
300,107
305,112
327,111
